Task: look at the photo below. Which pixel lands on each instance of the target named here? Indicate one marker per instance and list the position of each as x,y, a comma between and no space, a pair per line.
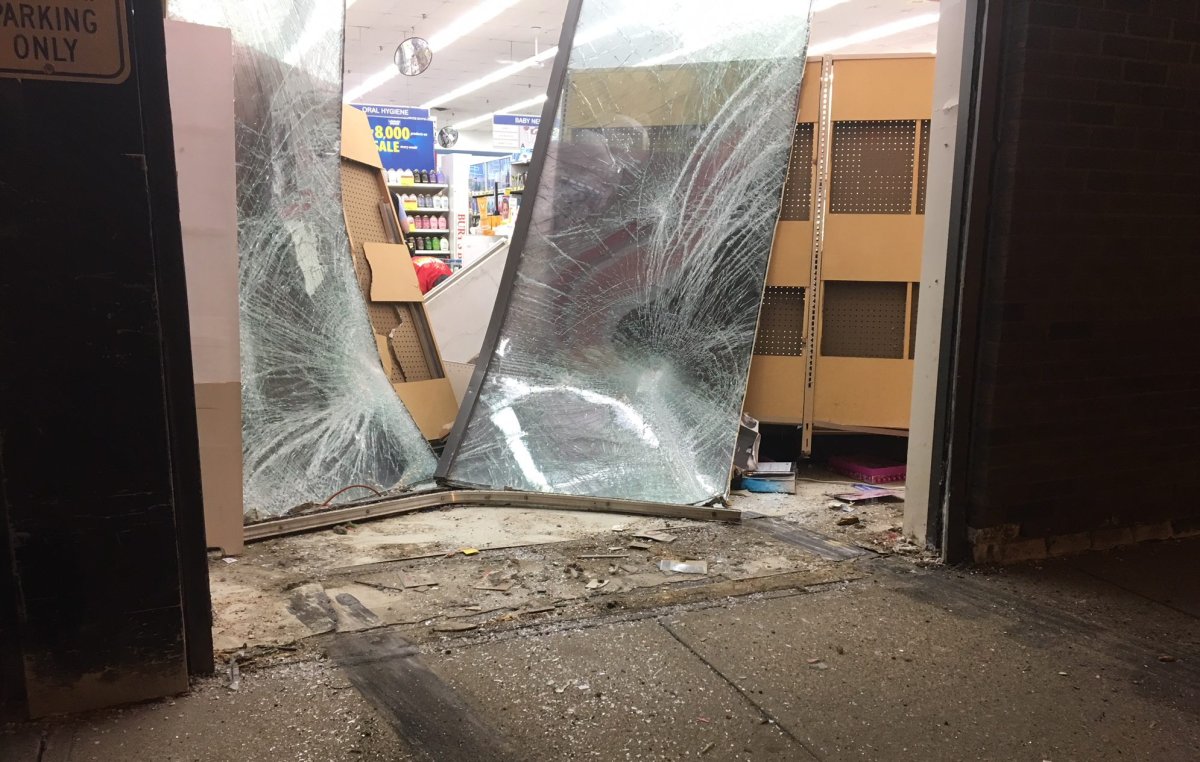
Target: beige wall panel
791,257
889,88
431,404
856,391
357,142
200,73
873,247
810,93
776,390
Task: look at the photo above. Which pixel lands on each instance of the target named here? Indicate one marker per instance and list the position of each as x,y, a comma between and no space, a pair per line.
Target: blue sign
403,136
400,112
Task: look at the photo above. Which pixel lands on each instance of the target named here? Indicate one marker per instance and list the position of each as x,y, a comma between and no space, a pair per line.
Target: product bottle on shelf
441,223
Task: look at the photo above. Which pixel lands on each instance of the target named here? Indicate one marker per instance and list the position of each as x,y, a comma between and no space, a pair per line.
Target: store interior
309,452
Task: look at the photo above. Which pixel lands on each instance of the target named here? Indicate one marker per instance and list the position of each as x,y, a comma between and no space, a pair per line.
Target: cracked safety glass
318,412
619,365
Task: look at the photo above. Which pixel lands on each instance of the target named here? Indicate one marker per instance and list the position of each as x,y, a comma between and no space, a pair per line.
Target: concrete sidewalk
1088,659
902,665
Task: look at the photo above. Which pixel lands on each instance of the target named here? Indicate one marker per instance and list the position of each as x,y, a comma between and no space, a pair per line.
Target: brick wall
1088,406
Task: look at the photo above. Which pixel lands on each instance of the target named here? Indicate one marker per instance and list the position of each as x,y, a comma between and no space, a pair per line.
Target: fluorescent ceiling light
874,33
488,79
582,38
510,109
701,35
459,28
469,22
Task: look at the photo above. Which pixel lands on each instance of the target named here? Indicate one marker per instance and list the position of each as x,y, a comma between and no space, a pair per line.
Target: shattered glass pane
318,413
621,363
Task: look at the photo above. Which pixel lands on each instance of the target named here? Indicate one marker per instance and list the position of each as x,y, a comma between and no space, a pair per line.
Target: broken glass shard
318,412
620,362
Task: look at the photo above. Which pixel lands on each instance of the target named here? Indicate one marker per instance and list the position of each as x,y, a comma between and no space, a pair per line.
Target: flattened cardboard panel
776,390
219,425
873,167
863,319
791,256
393,278
357,142
432,405
873,247
882,88
854,391
781,322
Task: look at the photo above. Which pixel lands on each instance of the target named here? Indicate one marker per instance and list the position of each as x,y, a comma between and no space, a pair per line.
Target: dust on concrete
303,712
410,570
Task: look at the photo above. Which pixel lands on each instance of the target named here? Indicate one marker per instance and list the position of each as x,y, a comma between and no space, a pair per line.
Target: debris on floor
683,567
409,570
655,535
866,492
